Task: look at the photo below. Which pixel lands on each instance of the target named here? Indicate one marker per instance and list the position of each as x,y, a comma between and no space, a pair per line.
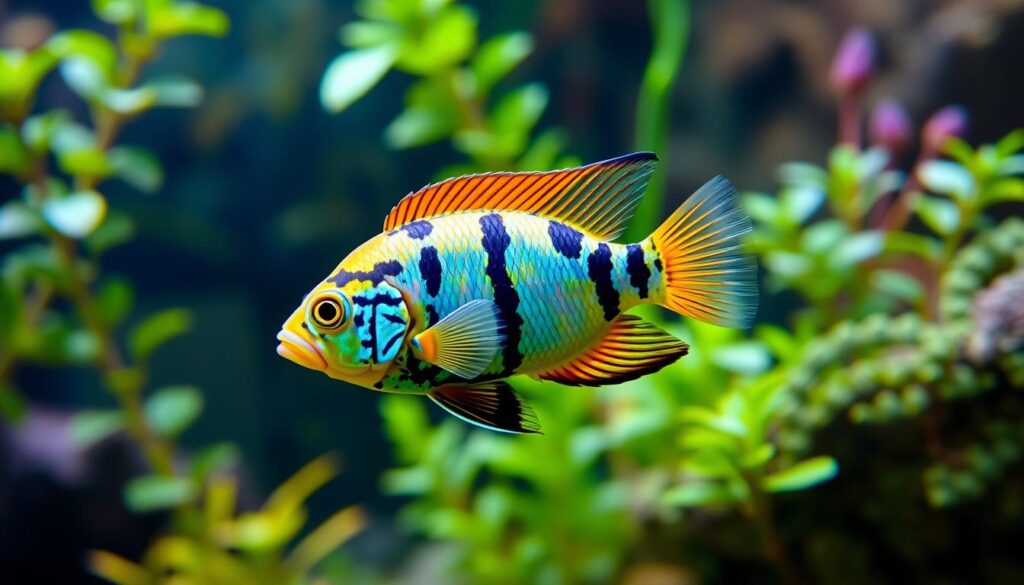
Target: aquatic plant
453,97
901,330
58,308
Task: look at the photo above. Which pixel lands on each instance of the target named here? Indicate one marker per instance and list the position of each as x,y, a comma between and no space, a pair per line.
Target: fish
477,279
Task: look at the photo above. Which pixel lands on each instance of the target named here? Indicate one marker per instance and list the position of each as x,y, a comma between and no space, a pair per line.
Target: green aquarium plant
59,308
903,332
453,97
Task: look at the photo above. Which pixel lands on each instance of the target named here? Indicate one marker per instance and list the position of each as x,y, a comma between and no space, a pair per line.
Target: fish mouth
300,351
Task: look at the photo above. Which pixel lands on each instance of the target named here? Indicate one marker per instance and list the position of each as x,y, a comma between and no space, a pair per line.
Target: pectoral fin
491,405
465,342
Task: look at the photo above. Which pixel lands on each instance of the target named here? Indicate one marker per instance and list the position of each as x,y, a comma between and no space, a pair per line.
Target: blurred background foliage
868,429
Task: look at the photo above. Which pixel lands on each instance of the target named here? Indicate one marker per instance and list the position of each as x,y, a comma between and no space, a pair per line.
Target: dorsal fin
631,348
598,198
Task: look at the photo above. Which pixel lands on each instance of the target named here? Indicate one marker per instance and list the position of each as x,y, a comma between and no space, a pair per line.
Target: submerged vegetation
634,480
882,391
61,310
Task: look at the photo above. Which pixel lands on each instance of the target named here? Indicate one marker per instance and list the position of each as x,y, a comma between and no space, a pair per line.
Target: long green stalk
670,24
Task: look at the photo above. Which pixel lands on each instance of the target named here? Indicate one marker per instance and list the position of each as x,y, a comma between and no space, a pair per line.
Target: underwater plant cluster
869,428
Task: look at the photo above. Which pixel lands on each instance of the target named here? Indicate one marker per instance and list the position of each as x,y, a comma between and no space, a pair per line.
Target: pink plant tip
854,62
948,122
890,126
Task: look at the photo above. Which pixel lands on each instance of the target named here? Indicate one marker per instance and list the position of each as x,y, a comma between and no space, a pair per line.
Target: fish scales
559,295
480,278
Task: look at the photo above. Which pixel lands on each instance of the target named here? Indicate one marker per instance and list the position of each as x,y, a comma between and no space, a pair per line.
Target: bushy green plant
728,431
59,308
453,95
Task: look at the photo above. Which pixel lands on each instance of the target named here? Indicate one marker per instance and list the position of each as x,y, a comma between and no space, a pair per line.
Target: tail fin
707,275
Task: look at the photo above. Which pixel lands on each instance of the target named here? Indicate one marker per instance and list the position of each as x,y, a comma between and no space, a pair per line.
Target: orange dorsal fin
631,348
598,198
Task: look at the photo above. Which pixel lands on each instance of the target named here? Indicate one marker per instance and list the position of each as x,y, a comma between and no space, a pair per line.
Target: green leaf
136,166
86,44
86,162
445,40
20,74
787,264
172,409
92,426
821,238
10,311
150,493
520,109
187,18
1005,189
947,178
903,242
175,92
158,329
498,56
114,300
38,130
13,158
127,101
1011,165
85,77
417,127
941,215
543,153
897,284
857,248
213,459
17,220
75,215
352,74
799,204
116,229
12,406
365,34
744,358
799,174
762,208
802,475
692,495
1011,143
758,457
116,11
69,135
778,340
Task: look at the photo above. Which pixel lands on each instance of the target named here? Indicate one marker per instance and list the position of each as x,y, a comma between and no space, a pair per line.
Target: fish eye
328,311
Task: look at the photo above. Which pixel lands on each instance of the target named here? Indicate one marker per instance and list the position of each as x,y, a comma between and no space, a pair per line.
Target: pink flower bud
890,126
949,122
854,62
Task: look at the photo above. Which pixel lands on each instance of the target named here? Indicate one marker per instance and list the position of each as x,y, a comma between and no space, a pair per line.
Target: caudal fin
707,275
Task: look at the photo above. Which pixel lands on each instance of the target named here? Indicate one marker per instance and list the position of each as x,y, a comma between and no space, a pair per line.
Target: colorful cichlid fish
480,278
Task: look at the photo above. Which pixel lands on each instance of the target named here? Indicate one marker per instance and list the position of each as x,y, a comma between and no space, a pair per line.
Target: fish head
352,332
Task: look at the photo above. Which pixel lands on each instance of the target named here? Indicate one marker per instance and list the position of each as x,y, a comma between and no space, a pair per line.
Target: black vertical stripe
599,268
496,242
639,273
566,240
430,269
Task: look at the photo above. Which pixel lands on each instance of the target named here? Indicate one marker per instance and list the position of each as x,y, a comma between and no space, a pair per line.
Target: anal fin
632,348
491,405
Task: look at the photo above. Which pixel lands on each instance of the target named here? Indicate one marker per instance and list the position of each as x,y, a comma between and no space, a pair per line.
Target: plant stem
898,213
670,23
772,546
850,119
